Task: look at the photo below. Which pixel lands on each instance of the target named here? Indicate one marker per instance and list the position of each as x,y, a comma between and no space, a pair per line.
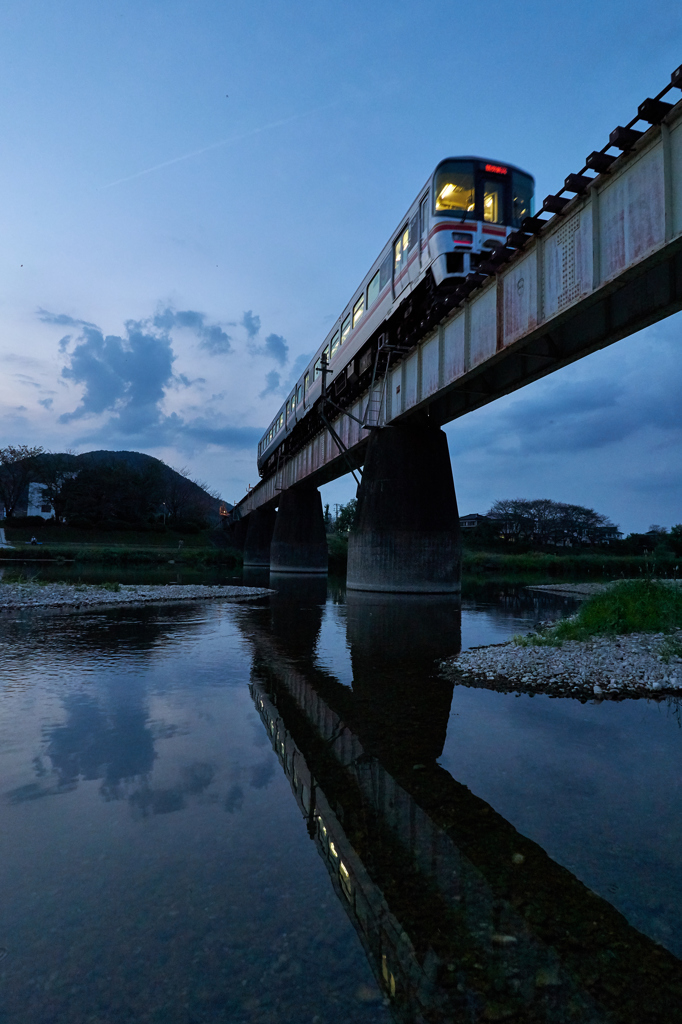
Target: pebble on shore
602,667
16,596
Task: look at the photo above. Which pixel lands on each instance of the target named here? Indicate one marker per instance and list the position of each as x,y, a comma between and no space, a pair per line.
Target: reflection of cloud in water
195,779
234,800
94,745
262,774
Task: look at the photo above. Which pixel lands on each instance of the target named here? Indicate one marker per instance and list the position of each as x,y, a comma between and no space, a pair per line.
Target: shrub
633,606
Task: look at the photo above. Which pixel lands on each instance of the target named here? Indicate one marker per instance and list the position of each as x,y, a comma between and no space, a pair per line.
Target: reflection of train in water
464,211
461,917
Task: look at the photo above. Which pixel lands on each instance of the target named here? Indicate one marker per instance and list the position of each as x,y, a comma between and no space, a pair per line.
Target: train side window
335,344
414,231
358,309
385,272
300,394
306,381
373,290
281,419
493,202
345,329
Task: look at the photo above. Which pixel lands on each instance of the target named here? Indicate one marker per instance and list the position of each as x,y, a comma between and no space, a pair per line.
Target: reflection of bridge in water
461,917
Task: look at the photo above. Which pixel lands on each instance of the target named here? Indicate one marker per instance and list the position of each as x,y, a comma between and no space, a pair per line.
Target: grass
633,606
110,555
583,565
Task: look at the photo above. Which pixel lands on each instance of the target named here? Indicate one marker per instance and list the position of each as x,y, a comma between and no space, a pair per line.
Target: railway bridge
601,260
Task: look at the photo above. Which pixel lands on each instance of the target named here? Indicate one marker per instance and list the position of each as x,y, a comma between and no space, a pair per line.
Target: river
281,814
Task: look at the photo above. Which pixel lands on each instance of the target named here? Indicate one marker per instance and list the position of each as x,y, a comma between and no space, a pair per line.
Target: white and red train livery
462,214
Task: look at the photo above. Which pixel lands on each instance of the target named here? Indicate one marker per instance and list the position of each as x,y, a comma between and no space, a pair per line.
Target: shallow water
281,813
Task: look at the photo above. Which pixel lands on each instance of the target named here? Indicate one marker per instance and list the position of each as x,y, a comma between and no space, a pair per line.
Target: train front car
463,213
475,203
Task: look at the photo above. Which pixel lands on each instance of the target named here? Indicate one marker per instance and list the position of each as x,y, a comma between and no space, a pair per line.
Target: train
464,212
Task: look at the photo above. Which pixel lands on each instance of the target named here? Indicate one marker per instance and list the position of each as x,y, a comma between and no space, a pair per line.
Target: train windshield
454,187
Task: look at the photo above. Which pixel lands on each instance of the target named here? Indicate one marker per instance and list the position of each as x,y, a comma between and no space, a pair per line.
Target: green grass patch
633,606
128,556
583,565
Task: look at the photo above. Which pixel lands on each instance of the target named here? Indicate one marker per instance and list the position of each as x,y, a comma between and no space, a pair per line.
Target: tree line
87,490
542,521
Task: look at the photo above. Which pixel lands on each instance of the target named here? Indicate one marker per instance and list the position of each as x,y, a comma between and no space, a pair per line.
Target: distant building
472,521
37,504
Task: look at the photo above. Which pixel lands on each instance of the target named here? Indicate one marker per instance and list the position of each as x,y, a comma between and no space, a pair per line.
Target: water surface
281,813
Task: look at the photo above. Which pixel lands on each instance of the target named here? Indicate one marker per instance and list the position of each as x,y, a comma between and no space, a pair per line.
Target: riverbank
626,639
634,665
19,596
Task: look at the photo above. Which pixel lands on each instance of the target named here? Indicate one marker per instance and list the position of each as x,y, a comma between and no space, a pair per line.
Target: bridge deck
607,266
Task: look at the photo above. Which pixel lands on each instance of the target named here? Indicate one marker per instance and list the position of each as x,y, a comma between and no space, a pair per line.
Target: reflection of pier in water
461,917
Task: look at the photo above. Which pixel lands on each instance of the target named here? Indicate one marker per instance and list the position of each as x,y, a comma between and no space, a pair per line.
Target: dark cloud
46,402
271,384
571,411
127,373
252,324
212,337
126,377
277,348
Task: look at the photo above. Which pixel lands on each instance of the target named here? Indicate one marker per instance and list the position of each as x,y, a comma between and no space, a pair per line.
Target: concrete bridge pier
261,524
299,543
406,538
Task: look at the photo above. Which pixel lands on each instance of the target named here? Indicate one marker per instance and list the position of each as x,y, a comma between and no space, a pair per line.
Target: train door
401,276
413,249
424,232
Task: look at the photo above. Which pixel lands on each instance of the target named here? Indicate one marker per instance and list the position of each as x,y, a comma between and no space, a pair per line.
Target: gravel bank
605,666
81,596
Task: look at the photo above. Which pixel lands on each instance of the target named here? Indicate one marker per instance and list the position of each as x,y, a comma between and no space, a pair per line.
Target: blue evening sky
190,191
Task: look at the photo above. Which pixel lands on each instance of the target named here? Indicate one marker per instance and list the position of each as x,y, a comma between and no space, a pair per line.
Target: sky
191,191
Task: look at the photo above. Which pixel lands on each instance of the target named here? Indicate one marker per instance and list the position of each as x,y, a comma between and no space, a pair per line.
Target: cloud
271,384
127,373
212,337
277,348
62,319
582,407
126,378
252,324
46,402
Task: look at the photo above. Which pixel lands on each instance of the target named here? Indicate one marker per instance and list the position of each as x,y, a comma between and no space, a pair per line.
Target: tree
107,492
18,464
53,469
188,500
345,517
543,521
